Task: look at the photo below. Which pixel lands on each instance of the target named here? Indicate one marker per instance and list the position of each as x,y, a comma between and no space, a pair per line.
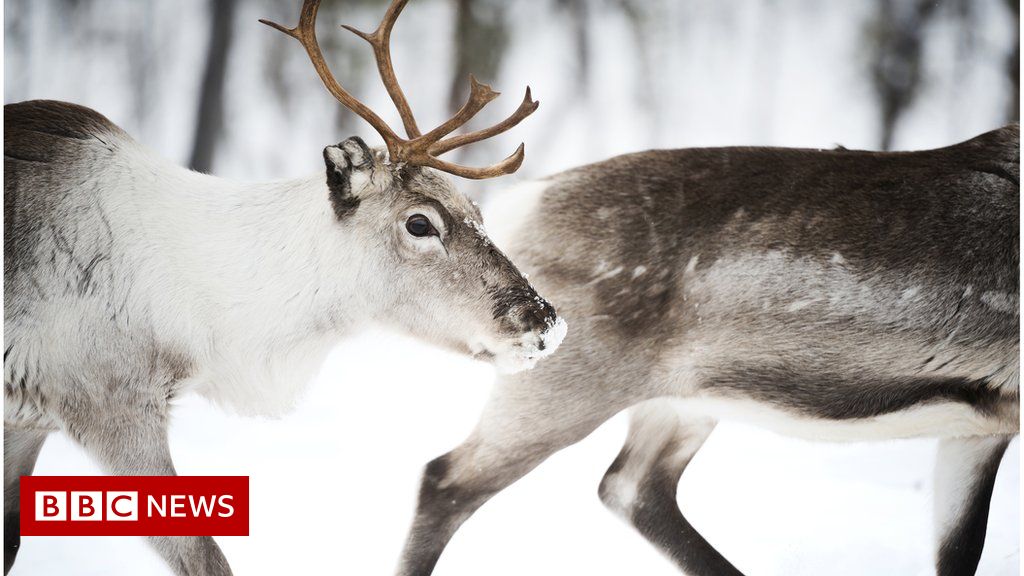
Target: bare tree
141,61
897,35
637,14
578,12
345,52
1013,65
210,118
481,39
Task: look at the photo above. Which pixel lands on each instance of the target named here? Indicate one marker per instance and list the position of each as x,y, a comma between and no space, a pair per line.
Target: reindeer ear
348,172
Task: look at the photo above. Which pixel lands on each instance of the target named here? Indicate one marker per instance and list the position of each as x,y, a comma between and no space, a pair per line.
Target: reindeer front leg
127,436
529,417
454,487
641,483
21,449
965,474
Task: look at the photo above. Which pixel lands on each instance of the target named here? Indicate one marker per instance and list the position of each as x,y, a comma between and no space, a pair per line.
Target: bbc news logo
124,506
134,505
95,506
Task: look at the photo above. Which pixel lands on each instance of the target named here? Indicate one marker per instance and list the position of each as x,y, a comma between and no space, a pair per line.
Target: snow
334,484
553,336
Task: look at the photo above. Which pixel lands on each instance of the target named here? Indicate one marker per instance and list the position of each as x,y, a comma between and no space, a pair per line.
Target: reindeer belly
847,386
933,419
814,345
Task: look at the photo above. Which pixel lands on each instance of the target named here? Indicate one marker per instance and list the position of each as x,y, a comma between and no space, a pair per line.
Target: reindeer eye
419,225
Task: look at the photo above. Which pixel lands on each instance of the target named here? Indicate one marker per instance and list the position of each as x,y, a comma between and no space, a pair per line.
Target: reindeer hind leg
964,478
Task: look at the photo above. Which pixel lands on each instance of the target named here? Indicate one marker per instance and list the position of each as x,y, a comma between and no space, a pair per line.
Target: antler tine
506,166
305,33
419,149
380,40
527,107
479,96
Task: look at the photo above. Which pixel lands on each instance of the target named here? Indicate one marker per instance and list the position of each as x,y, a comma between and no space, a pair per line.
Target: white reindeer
833,295
130,281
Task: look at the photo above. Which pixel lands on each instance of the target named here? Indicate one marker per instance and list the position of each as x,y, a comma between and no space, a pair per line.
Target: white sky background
334,484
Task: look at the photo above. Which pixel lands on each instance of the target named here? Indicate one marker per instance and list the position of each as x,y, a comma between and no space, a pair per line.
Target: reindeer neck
260,281
240,252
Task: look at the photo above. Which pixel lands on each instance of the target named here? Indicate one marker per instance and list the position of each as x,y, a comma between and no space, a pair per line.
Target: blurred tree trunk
578,11
897,38
141,60
636,14
561,111
481,38
1013,66
210,118
18,60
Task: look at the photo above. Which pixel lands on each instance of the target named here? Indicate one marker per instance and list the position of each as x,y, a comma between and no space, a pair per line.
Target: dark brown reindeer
834,295
130,280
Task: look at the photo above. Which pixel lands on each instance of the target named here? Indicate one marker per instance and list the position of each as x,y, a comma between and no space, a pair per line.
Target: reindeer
834,295
130,281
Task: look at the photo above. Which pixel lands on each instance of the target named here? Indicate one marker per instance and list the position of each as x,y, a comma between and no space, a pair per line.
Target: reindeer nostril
541,344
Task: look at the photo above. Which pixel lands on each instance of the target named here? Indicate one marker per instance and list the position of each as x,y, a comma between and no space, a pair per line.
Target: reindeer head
446,281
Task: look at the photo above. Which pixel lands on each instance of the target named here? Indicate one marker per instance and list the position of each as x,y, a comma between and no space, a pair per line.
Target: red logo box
134,505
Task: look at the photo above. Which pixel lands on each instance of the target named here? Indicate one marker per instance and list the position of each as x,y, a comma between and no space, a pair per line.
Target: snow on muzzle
529,330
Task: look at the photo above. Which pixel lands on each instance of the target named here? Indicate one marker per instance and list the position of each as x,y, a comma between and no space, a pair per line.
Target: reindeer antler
419,149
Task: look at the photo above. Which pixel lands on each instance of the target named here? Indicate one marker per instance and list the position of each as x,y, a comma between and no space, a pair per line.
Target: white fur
240,277
507,210
251,283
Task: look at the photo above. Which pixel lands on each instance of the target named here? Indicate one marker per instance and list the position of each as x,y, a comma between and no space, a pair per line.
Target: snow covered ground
334,486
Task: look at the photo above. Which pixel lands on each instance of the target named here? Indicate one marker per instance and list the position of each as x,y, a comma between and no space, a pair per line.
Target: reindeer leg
641,486
21,448
965,473
135,444
525,421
